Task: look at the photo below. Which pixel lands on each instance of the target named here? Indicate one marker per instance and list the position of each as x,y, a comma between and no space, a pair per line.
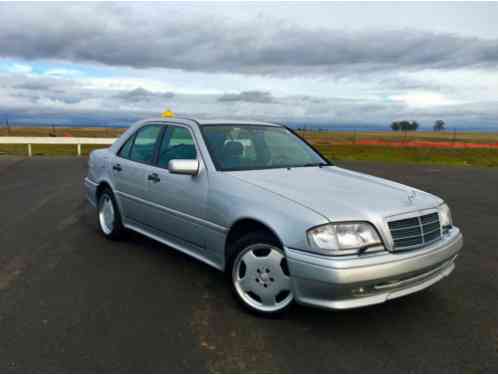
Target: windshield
237,148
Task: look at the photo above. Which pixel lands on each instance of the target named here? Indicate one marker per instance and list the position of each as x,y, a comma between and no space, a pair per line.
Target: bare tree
439,125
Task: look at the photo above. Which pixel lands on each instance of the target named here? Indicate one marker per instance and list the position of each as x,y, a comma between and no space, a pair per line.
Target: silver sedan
256,201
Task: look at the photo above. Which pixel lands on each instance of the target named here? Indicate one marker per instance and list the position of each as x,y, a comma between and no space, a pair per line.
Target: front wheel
260,276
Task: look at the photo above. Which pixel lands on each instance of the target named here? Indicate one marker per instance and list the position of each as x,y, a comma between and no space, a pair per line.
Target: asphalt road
71,301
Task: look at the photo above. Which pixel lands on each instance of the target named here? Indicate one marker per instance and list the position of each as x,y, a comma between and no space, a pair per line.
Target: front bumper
356,281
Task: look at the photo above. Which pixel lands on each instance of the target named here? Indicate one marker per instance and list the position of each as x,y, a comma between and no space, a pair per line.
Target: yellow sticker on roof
168,113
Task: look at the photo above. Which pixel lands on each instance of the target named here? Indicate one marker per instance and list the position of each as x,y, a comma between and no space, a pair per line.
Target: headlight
343,238
445,217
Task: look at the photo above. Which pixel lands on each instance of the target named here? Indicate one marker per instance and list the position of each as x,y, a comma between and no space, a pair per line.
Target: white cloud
61,72
423,99
20,68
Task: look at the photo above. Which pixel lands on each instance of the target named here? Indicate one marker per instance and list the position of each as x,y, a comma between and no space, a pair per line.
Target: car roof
185,121
206,122
234,122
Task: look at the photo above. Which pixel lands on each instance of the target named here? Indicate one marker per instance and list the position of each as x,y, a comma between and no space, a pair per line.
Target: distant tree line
405,125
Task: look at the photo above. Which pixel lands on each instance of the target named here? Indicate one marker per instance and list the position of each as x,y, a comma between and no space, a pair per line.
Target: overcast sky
337,63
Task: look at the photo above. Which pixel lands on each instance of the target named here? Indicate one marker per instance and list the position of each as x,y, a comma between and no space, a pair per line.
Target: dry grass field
391,136
443,148
446,148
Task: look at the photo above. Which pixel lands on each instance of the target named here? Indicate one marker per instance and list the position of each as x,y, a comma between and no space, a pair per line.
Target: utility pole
7,124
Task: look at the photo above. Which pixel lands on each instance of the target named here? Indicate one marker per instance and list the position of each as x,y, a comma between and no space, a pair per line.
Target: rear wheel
259,275
109,217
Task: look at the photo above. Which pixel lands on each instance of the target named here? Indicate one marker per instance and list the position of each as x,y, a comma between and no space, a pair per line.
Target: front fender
231,199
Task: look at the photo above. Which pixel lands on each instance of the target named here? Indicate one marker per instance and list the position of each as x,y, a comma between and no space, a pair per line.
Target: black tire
117,230
243,245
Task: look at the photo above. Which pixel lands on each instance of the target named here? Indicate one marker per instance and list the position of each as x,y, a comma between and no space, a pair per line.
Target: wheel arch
247,225
103,184
101,187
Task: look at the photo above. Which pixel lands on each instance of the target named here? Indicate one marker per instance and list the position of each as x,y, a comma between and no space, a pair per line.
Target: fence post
30,151
79,149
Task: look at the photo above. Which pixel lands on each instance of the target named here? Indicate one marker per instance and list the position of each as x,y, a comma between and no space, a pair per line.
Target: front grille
415,231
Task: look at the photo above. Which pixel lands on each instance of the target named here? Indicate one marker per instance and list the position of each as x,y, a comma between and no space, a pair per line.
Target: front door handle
153,177
117,167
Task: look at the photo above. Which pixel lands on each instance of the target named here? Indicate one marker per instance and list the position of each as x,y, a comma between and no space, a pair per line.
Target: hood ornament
411,196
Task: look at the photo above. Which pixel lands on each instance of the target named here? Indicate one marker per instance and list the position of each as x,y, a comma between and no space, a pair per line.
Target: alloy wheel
261,278
106,214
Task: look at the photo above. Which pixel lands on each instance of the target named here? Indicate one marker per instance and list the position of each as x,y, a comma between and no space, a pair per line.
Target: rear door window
145,144
126,148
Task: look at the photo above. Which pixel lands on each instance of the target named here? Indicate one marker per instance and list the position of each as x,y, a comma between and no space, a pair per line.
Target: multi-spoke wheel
260,277
108,215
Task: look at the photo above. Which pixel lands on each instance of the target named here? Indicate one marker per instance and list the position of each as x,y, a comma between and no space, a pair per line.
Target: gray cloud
73,101
104,107
33,85
118,35
36,89
398,84
248,96
141,95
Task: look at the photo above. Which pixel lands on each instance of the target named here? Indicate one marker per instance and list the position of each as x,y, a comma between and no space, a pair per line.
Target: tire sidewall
237,248
117,229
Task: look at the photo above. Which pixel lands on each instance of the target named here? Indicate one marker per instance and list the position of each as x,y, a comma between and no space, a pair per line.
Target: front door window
177,144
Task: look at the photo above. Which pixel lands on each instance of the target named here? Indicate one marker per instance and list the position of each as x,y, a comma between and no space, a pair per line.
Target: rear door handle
117,167
153,177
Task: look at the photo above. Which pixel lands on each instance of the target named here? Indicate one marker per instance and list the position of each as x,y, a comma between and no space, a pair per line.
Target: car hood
339,194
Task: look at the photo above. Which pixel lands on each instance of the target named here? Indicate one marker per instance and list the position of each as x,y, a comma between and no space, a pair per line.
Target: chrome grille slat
434,217
410,227
431,222
407,237
415,232
431,225
408,232
432,231
404,223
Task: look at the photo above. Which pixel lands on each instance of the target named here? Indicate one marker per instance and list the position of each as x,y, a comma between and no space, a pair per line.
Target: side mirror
184,166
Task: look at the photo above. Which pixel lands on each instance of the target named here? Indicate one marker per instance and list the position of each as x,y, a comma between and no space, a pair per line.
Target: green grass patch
13,149
442,156
86,149
48,150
